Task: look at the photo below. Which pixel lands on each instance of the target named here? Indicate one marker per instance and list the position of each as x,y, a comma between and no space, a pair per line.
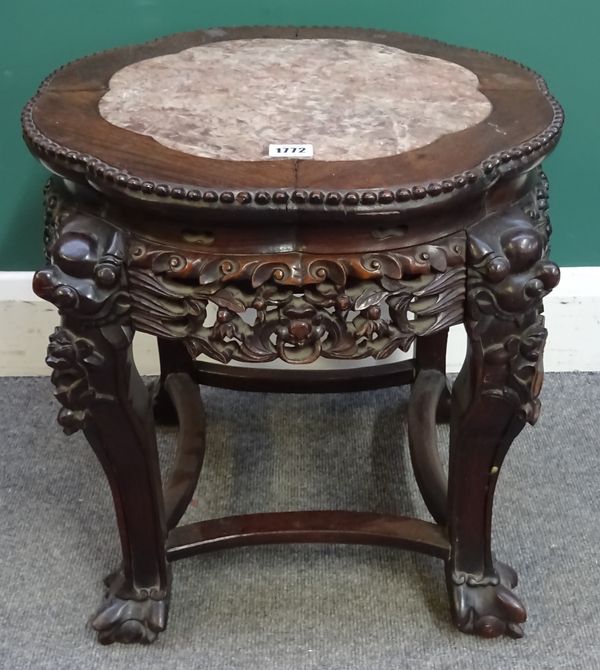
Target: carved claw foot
130,620
487,608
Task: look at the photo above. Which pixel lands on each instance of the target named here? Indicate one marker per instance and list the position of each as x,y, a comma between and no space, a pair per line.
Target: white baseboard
572,316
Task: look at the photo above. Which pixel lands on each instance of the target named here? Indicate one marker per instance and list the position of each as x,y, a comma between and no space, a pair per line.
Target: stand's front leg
102,393
494,396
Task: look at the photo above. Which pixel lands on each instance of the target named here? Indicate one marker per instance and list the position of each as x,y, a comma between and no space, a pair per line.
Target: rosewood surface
63,126
296,262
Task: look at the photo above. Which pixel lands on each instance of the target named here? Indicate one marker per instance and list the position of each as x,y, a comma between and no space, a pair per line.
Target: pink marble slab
350,99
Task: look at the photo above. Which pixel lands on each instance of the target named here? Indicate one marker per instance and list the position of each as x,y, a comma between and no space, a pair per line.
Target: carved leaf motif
257,347
339,342
196,308
323,295
303,306
198,346
227,298
370,297
399,308
392,346
453,278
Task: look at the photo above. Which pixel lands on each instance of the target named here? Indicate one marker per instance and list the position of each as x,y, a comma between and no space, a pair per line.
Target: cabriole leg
493,397
102,393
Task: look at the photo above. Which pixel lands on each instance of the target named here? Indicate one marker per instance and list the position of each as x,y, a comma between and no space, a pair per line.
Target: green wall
558,39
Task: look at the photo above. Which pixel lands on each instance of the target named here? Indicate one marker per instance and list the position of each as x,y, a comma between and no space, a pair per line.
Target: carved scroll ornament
297,307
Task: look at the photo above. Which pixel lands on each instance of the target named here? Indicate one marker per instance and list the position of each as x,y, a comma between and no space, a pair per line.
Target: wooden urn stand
182,205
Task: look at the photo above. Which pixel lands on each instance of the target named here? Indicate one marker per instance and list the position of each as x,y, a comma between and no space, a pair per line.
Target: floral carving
71,358
297,307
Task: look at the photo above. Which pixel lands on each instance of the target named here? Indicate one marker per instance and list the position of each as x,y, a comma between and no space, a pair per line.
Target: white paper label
291,151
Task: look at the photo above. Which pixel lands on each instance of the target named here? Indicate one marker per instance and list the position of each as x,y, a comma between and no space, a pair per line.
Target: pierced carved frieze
508,275
297,307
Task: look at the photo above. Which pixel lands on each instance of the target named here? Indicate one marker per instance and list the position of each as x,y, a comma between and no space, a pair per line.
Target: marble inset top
350,99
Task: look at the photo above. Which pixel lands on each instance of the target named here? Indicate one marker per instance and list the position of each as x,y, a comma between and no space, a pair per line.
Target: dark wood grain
318,526
262,261
495,394
103,395
174,358
274,380
63,127
191,444
432,481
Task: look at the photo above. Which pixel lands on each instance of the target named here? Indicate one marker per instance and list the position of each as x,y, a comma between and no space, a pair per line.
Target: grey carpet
311,606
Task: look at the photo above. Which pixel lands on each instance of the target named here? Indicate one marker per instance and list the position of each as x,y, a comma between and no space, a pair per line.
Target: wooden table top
396,121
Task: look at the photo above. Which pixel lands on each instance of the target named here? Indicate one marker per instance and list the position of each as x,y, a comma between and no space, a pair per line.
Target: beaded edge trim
487,171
